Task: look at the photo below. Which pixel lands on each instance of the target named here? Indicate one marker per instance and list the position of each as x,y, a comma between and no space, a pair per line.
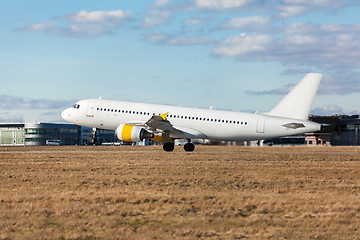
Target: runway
216,192
179,150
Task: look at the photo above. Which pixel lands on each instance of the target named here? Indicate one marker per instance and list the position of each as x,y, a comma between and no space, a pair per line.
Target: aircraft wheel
168,147
189,147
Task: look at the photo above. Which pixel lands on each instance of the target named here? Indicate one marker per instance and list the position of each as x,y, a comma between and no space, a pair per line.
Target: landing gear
168,147
94,136
189,147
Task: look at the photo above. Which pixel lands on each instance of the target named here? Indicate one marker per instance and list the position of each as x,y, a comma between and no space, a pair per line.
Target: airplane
135,122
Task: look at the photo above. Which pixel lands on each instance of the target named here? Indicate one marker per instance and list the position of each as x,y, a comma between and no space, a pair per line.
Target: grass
213,193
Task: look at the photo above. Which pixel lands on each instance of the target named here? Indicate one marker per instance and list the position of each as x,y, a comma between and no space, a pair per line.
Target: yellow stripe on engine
126,133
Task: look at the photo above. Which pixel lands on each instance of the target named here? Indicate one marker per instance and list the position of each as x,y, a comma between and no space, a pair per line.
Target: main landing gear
169,146
189,147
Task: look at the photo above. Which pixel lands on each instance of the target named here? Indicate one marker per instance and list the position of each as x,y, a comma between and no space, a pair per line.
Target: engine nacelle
131,133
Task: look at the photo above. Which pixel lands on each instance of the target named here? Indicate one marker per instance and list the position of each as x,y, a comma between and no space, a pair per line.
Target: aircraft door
90,109
260,126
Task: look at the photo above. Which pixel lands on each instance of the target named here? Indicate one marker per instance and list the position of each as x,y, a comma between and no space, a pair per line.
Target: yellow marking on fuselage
164,115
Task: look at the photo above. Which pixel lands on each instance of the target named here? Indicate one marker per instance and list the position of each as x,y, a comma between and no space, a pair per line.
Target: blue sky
231,54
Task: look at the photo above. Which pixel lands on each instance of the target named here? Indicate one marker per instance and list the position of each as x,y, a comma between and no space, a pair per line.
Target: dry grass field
212,193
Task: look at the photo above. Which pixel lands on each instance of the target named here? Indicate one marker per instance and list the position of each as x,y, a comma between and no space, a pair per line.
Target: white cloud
340,82
290,8
190,41
289,11
220,5
327,110
160,3
157,37
334,83
40,27
156,17
8,117
252,22
82,24
277,91
327,51
296,71
196,21
106,17
12,102
311,28
242,45
168,39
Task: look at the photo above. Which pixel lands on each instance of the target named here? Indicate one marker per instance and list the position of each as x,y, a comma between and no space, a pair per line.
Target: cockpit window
76,106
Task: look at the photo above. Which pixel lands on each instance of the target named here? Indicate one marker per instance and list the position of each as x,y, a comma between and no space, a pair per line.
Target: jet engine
131,133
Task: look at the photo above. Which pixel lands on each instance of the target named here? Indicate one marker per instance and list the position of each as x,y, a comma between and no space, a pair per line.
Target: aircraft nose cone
66,115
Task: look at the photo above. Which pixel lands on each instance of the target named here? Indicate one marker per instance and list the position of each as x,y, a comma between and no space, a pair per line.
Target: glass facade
12,134
38,134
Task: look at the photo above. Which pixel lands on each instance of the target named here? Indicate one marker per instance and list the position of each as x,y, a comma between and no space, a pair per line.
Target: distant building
37,134
346,132
339,130
12,134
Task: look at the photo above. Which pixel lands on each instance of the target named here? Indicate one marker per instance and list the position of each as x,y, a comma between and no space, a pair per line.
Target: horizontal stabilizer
294,125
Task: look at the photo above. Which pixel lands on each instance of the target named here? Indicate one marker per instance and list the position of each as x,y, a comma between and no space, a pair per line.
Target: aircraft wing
159,123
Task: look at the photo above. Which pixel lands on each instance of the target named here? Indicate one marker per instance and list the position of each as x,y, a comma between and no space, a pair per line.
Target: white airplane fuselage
137,121
194,122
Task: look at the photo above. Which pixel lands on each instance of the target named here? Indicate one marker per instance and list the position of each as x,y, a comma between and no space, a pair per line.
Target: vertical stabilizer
297,104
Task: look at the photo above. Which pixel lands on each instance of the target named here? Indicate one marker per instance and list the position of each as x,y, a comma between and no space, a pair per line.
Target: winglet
164,115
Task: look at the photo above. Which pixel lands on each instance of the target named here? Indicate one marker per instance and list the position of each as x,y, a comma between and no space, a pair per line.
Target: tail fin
297,104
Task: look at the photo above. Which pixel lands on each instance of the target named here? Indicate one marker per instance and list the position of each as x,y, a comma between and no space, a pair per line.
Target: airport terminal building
39,134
